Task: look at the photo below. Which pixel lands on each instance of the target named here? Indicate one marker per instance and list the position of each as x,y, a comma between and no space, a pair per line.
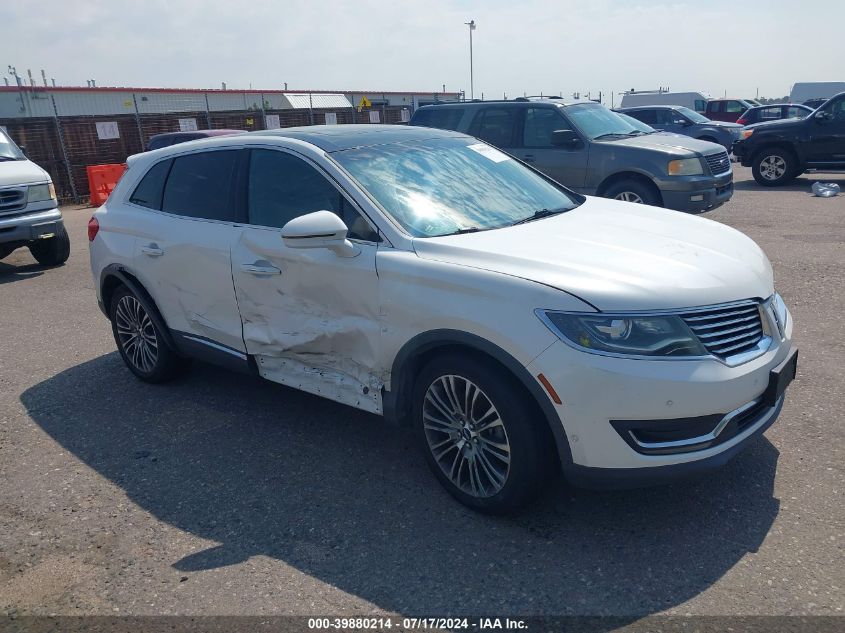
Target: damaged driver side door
310,315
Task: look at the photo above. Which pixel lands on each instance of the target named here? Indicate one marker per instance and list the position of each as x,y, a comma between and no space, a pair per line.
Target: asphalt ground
226,494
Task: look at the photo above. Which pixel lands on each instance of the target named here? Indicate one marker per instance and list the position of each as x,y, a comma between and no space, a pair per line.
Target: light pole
471,25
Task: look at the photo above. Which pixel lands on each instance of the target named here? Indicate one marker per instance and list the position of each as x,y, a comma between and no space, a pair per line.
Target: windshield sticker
489,152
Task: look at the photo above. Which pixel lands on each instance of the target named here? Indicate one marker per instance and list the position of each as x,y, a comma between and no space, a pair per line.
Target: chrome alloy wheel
772,167
137,334
466,436
628,196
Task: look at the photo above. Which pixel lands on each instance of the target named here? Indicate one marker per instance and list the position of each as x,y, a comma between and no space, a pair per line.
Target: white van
806,90
29,214
692,100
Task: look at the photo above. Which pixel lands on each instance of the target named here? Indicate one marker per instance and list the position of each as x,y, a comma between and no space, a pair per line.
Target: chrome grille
718,163
12,199
727,330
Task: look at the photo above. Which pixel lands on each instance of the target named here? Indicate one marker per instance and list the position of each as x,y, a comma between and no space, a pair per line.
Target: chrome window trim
767,320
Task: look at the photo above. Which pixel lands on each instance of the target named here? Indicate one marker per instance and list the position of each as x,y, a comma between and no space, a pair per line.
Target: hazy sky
715,46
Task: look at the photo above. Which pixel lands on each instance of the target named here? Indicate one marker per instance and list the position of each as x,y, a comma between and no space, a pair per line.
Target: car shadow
346,498
10,272
802,183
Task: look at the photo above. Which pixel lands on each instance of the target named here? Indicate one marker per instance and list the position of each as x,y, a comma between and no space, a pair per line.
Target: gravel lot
225,494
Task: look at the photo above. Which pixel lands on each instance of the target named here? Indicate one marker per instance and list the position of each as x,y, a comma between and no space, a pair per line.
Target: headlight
40,193
624,334
685,167
745,134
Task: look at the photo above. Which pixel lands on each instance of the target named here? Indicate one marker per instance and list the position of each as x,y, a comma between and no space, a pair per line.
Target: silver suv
595,151
29,215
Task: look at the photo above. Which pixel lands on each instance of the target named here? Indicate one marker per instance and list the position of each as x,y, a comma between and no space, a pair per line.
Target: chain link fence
66,132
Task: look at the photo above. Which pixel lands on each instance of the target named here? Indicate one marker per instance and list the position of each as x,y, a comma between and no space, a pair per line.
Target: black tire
53,251
476,446
774,167
633,191
150,358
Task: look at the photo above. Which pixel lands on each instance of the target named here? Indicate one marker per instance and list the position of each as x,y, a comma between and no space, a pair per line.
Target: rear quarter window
442,118
150,190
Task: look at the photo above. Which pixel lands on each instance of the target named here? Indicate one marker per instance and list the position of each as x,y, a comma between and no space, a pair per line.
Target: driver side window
282,187
539,125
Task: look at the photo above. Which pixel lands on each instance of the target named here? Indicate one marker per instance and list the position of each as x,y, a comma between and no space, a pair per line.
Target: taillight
742,121
93,228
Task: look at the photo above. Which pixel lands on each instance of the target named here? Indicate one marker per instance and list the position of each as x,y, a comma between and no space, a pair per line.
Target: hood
725,125
674,144
619,256
777,124
21,172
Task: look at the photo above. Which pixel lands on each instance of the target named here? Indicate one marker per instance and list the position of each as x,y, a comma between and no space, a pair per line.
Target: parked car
593,150
426,276
173,138
681,120
774,112
814,103
780,151
726,109
29,214
692,100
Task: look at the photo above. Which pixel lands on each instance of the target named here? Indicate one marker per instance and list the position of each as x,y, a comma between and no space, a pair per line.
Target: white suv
426,276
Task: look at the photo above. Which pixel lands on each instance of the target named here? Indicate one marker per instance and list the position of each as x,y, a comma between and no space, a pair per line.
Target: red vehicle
726,109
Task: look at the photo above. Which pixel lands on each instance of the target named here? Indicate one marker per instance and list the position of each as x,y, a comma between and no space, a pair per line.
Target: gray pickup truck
595,151
29,215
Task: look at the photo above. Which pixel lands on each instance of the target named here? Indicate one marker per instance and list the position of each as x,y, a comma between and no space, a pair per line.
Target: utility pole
471,25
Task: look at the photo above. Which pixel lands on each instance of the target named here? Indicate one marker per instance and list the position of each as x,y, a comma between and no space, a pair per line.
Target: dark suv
779,151
681,120
593,150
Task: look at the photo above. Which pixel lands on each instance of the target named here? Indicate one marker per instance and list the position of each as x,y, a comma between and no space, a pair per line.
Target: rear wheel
140,342
773,167
632,191
53,251
478,434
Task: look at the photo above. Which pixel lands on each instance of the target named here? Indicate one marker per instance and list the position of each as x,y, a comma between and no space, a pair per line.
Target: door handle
152,250
255,269
528,158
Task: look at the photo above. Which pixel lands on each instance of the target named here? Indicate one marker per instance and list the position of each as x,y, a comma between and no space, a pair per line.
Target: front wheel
774,167
52,251
140,341
478,434
632,191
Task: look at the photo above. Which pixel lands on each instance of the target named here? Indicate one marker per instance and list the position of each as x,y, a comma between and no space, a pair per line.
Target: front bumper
696,193
28,227
602,397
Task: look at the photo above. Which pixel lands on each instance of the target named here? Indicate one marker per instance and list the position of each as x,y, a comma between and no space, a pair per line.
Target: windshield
597,122
447,185
692,115
8,149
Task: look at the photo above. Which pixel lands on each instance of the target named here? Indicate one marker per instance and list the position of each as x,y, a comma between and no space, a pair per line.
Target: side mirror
822,116
22,148
683,122
321,229
565,138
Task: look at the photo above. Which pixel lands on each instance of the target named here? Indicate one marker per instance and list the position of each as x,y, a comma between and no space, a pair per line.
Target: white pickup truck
29,214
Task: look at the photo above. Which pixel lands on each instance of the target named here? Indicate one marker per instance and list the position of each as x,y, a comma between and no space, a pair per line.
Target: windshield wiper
540,213
8,158
601,136
469,229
